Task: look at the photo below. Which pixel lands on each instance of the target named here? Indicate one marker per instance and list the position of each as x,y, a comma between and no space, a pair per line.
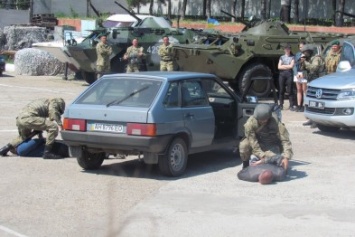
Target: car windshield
121,92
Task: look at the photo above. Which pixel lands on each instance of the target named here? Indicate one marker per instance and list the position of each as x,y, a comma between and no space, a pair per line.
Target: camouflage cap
262,112
61,104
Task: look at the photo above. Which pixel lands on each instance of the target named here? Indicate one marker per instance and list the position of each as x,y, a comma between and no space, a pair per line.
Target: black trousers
286,85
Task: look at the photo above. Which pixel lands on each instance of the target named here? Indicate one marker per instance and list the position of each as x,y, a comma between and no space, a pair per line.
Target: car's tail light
141,129
74,124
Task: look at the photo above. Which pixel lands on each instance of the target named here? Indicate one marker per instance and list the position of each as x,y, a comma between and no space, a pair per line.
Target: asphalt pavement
128,198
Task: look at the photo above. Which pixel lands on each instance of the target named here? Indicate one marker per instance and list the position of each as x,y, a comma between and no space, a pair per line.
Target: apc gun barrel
237,18
95,10
129,12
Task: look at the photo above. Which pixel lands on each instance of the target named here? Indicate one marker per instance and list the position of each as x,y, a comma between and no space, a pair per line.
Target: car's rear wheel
324,128
91,161
173,163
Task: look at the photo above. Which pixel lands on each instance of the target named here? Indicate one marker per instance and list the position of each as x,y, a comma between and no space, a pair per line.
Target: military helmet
262,112
60,104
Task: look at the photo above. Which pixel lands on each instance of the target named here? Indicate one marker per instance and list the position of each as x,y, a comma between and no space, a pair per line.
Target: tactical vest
269,137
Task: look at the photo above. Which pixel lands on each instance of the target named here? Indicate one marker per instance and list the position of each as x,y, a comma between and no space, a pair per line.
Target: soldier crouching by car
39,115
266,139
134,55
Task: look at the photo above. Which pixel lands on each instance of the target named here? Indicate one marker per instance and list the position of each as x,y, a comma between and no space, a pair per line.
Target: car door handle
248,112
189,115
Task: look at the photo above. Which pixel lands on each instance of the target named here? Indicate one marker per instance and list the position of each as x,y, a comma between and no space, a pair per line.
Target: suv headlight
346,95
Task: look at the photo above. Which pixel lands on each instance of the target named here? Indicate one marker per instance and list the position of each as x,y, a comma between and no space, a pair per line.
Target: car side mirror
343,66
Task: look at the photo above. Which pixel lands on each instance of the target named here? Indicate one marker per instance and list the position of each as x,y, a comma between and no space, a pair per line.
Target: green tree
151,6
285,11
339,20
183,9
208,8
263,9
296,14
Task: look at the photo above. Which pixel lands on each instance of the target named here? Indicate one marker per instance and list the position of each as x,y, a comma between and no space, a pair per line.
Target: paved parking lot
127,198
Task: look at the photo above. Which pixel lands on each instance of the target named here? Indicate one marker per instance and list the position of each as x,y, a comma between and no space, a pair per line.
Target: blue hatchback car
164,116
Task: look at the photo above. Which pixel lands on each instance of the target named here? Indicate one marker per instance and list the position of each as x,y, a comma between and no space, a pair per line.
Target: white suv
330,99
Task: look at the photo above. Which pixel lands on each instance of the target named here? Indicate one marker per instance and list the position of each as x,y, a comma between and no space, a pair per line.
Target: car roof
170,76
350,40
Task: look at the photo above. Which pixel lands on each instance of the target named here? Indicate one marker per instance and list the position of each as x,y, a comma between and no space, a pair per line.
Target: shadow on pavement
293,172
6,75
197,164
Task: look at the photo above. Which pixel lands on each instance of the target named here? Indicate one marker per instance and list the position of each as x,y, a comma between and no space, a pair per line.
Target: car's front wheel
91,161
173,163
324,128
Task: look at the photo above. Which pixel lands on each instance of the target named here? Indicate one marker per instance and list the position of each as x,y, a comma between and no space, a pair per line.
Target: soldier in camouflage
313,66
166,55
134,56
333,57
39,115
266,139
103,51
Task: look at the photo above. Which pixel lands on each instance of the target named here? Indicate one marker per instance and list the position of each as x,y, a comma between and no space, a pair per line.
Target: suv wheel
173,163
91,161
324,128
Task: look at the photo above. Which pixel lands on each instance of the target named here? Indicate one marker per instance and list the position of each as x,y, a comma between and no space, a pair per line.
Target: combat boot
5,149
49,154
245,164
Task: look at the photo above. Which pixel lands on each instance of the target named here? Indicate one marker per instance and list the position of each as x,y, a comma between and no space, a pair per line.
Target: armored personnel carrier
149,32
248,61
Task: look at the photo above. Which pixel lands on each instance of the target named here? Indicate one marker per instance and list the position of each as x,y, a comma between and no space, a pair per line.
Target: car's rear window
123,92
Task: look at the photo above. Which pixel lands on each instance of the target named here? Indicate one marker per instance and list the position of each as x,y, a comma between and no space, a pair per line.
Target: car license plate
316,104
106,127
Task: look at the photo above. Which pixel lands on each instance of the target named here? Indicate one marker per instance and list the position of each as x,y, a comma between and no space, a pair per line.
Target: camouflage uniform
134,60
41,115
103,52
166,57
268,141
331,61
314,68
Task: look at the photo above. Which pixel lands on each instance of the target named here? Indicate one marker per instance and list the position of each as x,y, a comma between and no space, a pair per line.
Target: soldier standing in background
312,67
134,56
333,57
103,51
166,55
39,115
266,139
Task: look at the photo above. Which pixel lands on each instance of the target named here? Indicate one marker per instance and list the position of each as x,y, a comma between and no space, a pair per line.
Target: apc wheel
260,88
89,77
173,163
327,128
91,161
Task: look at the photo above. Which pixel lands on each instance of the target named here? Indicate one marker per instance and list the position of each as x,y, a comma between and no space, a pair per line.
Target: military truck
248,59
